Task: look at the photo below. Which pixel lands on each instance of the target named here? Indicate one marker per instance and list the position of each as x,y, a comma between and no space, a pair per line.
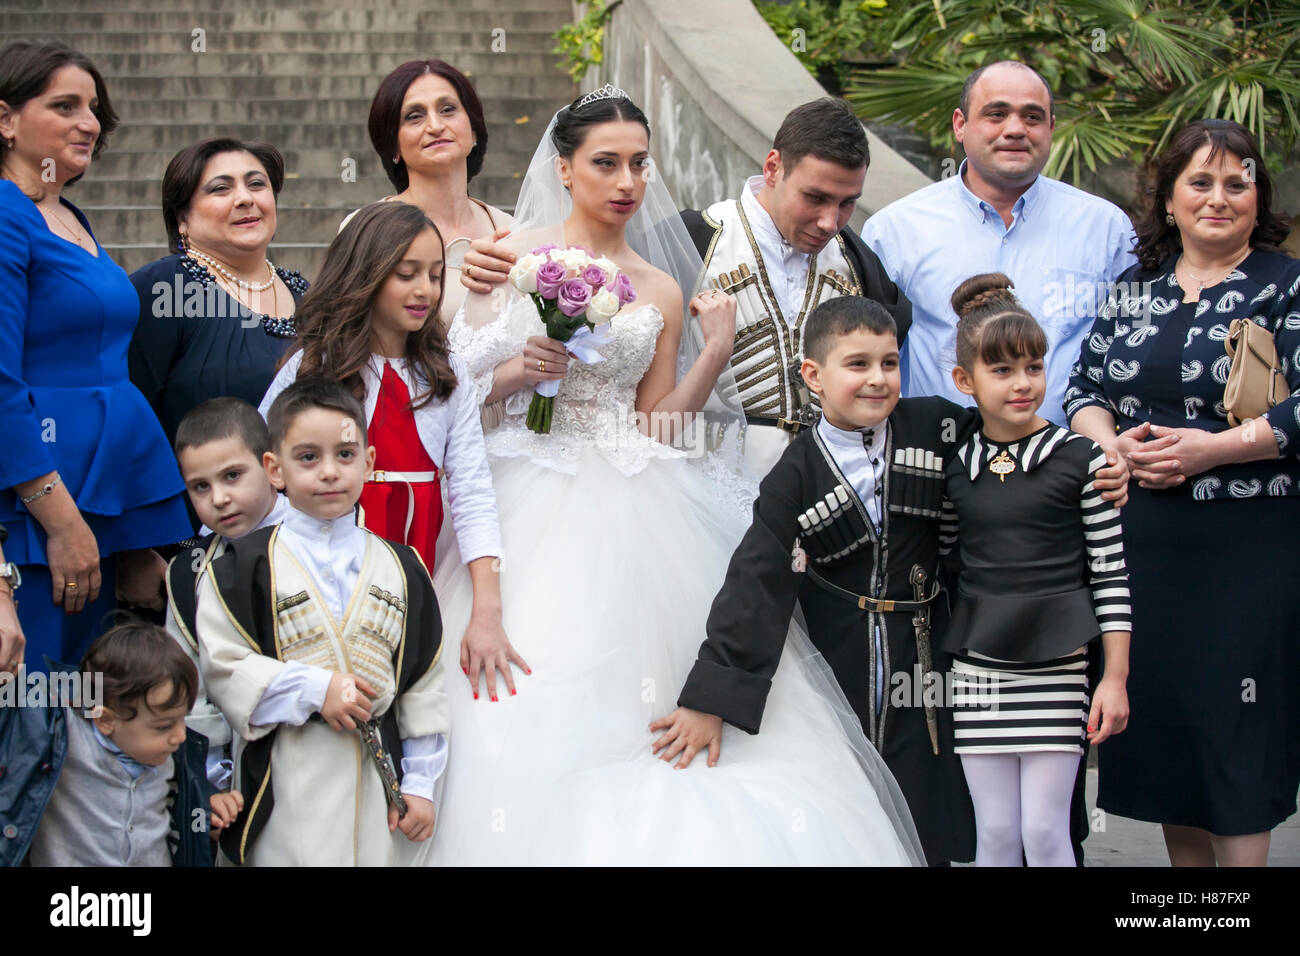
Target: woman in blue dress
87,482
1213,748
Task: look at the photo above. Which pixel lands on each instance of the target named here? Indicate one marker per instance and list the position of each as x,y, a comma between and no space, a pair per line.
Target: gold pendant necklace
1002,465
78,236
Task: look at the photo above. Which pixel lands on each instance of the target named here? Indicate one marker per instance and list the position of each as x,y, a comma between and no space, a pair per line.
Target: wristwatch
9,572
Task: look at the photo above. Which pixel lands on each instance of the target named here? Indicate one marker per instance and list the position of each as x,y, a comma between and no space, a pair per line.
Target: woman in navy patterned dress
216,315
1213,749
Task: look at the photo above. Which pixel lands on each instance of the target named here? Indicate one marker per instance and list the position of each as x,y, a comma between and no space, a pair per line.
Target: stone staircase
298,74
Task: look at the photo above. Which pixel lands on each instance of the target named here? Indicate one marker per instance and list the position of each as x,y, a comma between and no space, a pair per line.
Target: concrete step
300,161
304,191
293,249
271,65
432,16
145,224
303,256
126,84
300,74
453,9
496,184
351,139
452,44
304,109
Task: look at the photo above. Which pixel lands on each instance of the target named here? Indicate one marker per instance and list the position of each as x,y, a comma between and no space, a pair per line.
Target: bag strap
1234,331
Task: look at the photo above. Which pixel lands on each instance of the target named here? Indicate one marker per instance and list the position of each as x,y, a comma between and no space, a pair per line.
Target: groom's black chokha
847,524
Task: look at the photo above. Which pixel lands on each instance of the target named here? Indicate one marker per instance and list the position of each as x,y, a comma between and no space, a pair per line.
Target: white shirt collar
764,227
274,516
341,532
855,439
277,512
983,208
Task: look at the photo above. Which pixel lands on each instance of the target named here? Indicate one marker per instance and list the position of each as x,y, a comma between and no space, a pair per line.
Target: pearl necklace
230,276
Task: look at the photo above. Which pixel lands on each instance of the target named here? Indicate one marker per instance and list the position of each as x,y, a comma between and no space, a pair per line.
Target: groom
781,249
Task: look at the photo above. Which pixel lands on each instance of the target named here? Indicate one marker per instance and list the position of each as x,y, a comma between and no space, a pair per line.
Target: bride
616,537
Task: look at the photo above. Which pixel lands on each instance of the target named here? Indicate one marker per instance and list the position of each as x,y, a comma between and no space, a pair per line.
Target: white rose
524,274
574,260
602,307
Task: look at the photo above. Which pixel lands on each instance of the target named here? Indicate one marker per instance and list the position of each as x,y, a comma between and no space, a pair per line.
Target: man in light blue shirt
1060,246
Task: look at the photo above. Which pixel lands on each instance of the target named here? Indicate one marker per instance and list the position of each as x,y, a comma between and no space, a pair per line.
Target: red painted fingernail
476,695
494,698
512,692
466,670
528,672
1091,728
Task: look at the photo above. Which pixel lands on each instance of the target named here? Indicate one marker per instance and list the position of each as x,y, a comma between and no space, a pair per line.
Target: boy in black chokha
848,525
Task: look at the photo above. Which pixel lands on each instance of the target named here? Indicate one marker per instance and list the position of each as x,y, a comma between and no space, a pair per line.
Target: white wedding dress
615,546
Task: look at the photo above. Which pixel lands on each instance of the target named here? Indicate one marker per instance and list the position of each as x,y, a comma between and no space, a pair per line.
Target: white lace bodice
596,404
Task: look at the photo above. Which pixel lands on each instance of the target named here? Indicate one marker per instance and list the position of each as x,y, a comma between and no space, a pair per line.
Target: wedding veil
657,234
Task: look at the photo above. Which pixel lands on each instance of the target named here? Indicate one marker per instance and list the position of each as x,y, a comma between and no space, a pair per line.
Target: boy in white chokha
313,627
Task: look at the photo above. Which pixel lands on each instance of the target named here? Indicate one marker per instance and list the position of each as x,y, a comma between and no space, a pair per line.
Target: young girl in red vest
370,321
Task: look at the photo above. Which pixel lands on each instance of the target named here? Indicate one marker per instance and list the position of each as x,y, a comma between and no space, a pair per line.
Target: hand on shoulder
488,261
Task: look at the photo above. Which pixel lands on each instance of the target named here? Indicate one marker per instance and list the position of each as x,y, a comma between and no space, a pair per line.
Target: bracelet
45,490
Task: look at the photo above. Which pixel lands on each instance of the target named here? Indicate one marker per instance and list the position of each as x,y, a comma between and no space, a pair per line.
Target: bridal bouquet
574,292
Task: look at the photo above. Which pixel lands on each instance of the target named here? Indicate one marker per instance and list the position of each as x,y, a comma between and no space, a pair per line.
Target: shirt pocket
1067,298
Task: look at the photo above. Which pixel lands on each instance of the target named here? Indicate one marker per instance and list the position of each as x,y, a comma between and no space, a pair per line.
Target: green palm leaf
921,94
1097,137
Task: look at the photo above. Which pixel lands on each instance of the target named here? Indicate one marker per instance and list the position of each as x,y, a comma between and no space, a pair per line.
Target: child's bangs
184,688
1011,336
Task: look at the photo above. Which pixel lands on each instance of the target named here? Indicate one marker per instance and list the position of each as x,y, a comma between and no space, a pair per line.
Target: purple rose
594,276
549,276
622,287
573,298
543,250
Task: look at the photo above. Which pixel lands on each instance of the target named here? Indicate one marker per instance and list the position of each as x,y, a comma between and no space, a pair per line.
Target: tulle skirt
607,581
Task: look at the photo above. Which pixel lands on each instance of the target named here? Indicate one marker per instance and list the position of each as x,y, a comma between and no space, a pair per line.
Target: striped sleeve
947,528
1103,537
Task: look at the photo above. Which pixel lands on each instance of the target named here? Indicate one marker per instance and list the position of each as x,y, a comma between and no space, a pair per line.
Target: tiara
606,92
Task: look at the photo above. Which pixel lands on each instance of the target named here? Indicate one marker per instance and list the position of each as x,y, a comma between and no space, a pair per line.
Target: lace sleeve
487,331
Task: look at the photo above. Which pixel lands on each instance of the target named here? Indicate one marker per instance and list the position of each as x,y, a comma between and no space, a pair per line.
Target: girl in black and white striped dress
1042,575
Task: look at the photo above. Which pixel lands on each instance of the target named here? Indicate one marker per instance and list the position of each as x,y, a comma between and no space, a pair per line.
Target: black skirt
1214,736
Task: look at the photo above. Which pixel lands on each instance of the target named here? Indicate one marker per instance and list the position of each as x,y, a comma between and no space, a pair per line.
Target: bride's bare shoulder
655,287
530,239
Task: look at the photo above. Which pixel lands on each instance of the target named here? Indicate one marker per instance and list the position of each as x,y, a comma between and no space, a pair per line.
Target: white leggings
1022,800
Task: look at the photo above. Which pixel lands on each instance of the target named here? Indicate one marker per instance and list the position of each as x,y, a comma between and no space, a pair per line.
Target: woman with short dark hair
87,483
1213,749
216,314
427,126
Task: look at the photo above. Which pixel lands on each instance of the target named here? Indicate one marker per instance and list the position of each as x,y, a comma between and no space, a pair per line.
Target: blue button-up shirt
1062,250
